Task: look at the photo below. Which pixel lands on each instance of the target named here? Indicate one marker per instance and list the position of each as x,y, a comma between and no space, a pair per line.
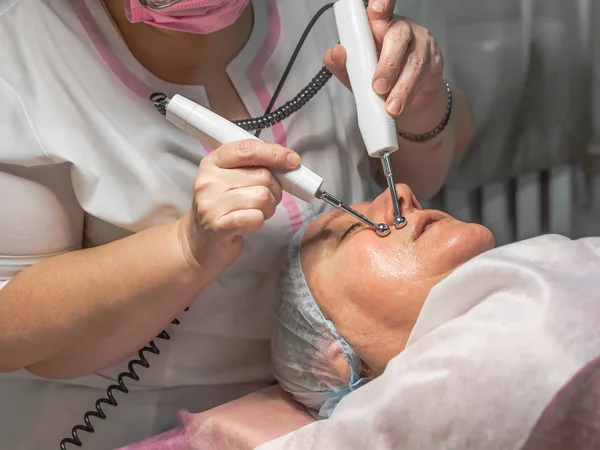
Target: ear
339,363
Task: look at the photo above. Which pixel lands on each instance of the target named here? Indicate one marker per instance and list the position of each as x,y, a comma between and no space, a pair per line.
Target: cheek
375,282
452,244
381,297
367,263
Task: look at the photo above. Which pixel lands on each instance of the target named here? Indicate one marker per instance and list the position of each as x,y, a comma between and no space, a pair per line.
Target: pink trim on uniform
133,83
92,29
254,74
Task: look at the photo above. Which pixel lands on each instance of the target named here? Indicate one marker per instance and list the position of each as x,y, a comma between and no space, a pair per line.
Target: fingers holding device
377,127
239,185
194,119
234,193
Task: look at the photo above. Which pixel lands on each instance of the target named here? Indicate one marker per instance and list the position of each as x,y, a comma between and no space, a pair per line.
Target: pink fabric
254,74
171,440
189,16
95,34
242,424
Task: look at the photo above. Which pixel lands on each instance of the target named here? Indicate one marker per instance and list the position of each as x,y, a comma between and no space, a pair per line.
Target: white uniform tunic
85,159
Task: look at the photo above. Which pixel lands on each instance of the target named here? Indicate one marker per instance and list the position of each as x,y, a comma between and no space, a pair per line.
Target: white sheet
493,344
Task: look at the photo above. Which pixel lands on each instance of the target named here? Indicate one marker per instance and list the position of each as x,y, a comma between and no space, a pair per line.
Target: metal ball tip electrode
399,222
302,182
382,230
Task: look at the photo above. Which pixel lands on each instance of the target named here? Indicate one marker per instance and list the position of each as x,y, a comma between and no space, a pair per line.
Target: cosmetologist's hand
234,193
410,68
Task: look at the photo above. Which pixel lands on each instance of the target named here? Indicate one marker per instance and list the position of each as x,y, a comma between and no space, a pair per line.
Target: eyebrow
334,215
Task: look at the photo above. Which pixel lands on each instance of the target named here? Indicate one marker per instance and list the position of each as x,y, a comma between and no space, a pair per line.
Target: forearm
425,165
82,311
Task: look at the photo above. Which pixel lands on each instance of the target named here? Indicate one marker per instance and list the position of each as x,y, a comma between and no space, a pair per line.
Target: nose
383,203
406,196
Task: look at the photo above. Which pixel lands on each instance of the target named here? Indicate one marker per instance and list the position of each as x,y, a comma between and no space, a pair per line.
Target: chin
464,241
482,236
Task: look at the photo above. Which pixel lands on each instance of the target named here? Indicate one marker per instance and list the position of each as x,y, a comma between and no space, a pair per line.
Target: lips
426,221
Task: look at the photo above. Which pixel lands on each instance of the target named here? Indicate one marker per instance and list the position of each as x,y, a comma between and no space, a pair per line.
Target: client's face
373,288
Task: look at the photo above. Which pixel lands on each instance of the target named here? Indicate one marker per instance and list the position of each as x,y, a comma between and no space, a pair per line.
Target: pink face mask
198,17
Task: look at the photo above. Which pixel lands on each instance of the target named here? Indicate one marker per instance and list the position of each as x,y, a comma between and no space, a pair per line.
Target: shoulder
546,267
549,271
551,251
30,30
6,5
35,34
10,10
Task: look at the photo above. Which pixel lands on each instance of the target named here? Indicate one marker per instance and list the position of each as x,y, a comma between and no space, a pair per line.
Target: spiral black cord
268,120
288,108
257,124
159,100
120,386
304,96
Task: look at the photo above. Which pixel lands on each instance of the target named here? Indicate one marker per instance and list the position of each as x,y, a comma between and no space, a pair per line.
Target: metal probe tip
400,222
382,230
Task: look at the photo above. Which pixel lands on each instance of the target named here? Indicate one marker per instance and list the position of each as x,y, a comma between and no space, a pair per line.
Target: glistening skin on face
373,288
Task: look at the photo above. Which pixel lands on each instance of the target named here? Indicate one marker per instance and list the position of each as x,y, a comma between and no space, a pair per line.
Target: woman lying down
447,343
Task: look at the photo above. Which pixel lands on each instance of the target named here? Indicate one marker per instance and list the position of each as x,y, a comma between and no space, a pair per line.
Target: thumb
335,61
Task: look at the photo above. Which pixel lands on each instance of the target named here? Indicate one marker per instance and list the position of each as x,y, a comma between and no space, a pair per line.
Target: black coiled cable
257,124
268,120
120,386
290,107
159,100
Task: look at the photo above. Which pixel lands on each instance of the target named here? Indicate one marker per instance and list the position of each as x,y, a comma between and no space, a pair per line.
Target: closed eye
349,231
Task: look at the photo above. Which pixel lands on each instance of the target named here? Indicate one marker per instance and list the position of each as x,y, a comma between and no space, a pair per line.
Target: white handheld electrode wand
377,128
302,182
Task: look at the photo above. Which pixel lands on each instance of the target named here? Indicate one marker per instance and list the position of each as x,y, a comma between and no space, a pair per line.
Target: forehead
329,218
319,234
323,228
